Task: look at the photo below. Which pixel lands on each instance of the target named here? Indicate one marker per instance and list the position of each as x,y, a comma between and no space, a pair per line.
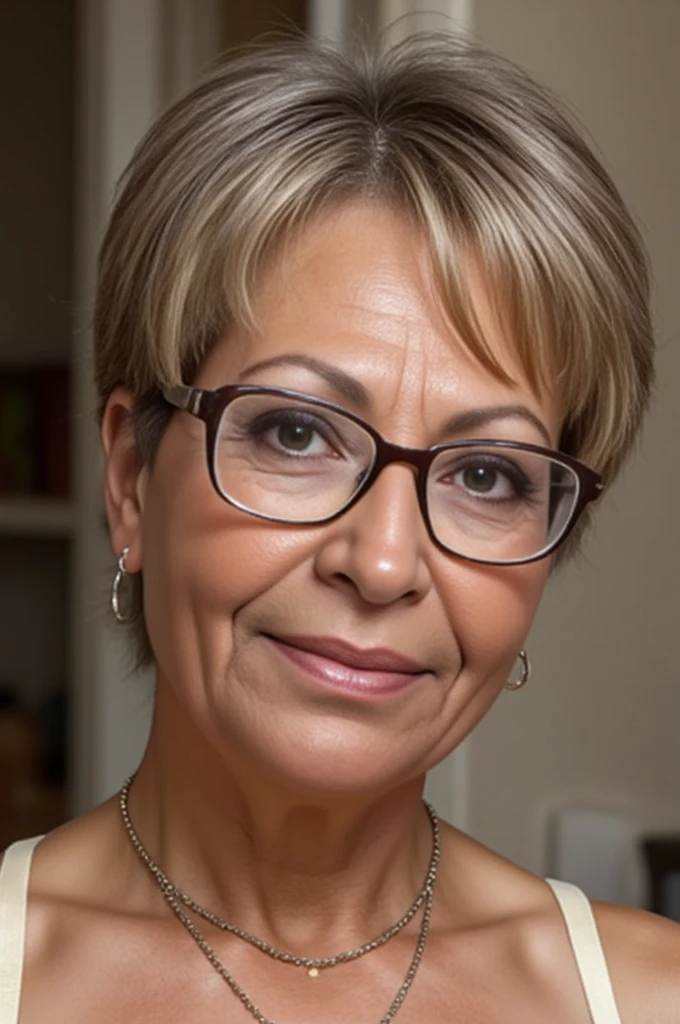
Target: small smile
365,673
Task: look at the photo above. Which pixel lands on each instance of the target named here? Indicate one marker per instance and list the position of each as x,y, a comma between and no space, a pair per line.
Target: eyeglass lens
297,462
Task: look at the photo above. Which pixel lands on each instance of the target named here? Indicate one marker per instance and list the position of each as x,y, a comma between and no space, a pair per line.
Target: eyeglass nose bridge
386,454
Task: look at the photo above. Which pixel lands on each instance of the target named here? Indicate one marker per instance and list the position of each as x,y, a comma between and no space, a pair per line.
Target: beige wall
600,721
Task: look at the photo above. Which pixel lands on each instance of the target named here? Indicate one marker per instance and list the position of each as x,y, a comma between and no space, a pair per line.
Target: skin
293,811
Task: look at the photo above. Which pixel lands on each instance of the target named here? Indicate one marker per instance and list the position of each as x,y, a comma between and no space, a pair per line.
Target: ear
124,478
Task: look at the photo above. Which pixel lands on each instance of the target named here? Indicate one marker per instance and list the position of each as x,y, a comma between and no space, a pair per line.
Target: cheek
491,609
203,562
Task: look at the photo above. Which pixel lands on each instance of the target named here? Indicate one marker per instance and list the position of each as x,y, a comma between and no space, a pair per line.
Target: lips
363,674
371,659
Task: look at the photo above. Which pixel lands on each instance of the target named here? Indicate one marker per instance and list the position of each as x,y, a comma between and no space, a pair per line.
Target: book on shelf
35,431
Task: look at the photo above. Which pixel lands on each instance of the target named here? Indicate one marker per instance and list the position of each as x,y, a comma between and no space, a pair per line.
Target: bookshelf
36,517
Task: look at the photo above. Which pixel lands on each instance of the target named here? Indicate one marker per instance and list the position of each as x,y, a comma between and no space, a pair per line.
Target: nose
378,547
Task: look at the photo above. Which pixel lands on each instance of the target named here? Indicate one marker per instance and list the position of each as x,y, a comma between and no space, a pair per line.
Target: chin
322,769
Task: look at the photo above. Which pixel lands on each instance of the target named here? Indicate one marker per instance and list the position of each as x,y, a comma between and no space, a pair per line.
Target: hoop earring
121,573
517,684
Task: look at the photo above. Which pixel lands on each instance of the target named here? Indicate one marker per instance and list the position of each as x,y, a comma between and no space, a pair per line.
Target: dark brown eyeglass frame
209,405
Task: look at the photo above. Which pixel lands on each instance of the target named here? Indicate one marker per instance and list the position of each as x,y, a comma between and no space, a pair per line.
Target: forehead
357,287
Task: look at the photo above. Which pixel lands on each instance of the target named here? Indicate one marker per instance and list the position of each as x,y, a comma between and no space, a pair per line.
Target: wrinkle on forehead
365,271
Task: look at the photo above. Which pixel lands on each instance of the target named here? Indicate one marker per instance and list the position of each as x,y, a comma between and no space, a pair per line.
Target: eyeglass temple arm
183,397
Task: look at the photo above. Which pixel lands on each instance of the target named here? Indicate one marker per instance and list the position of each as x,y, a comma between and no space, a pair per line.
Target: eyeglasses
292,458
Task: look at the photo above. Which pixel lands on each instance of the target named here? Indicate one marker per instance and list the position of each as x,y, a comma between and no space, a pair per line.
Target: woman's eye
481,479
295,436
493,482
291,434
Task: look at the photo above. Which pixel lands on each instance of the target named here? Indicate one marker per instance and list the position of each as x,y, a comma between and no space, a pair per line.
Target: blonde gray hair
476,154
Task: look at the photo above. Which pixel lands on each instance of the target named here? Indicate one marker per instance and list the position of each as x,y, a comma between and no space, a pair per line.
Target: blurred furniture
33,793
592,848
37,512
662,858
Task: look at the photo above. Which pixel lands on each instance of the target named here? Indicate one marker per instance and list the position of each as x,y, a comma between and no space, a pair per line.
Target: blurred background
577,775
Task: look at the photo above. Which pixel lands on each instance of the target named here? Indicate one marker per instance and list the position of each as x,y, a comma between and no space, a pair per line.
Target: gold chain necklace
177,901
313,964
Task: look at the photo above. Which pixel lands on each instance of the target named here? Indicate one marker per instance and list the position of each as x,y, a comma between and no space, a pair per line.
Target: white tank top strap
14,875
588,953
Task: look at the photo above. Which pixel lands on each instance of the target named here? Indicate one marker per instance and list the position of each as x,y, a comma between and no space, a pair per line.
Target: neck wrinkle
302,873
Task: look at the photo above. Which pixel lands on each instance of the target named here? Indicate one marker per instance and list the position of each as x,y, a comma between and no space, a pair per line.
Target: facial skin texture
354,290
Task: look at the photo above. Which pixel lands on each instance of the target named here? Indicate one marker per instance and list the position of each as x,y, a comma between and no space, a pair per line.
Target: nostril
344,578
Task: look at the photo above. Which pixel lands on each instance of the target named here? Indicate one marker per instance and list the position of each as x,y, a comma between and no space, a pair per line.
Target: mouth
361,672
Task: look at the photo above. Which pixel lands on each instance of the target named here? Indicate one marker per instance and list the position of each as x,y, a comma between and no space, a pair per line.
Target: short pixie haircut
482,161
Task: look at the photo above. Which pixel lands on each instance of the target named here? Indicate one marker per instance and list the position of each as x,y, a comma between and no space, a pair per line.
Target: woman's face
226,593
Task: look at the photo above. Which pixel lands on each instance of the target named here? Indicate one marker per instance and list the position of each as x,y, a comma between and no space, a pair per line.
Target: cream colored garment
588,952
16,867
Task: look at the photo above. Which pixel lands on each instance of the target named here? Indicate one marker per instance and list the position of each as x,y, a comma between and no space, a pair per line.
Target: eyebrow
353,390
473,418
341,382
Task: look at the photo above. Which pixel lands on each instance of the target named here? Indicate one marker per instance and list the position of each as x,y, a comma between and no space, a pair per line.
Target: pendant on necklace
313,972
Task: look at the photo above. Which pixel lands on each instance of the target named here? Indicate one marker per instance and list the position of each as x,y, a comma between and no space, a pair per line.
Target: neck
306,872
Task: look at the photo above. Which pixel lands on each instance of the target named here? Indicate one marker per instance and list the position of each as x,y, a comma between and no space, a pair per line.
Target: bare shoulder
69,867
643,954
642,949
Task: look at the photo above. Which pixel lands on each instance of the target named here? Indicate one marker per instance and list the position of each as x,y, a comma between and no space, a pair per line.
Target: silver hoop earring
517,684
121,573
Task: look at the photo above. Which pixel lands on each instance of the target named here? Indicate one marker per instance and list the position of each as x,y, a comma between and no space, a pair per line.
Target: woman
369,338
